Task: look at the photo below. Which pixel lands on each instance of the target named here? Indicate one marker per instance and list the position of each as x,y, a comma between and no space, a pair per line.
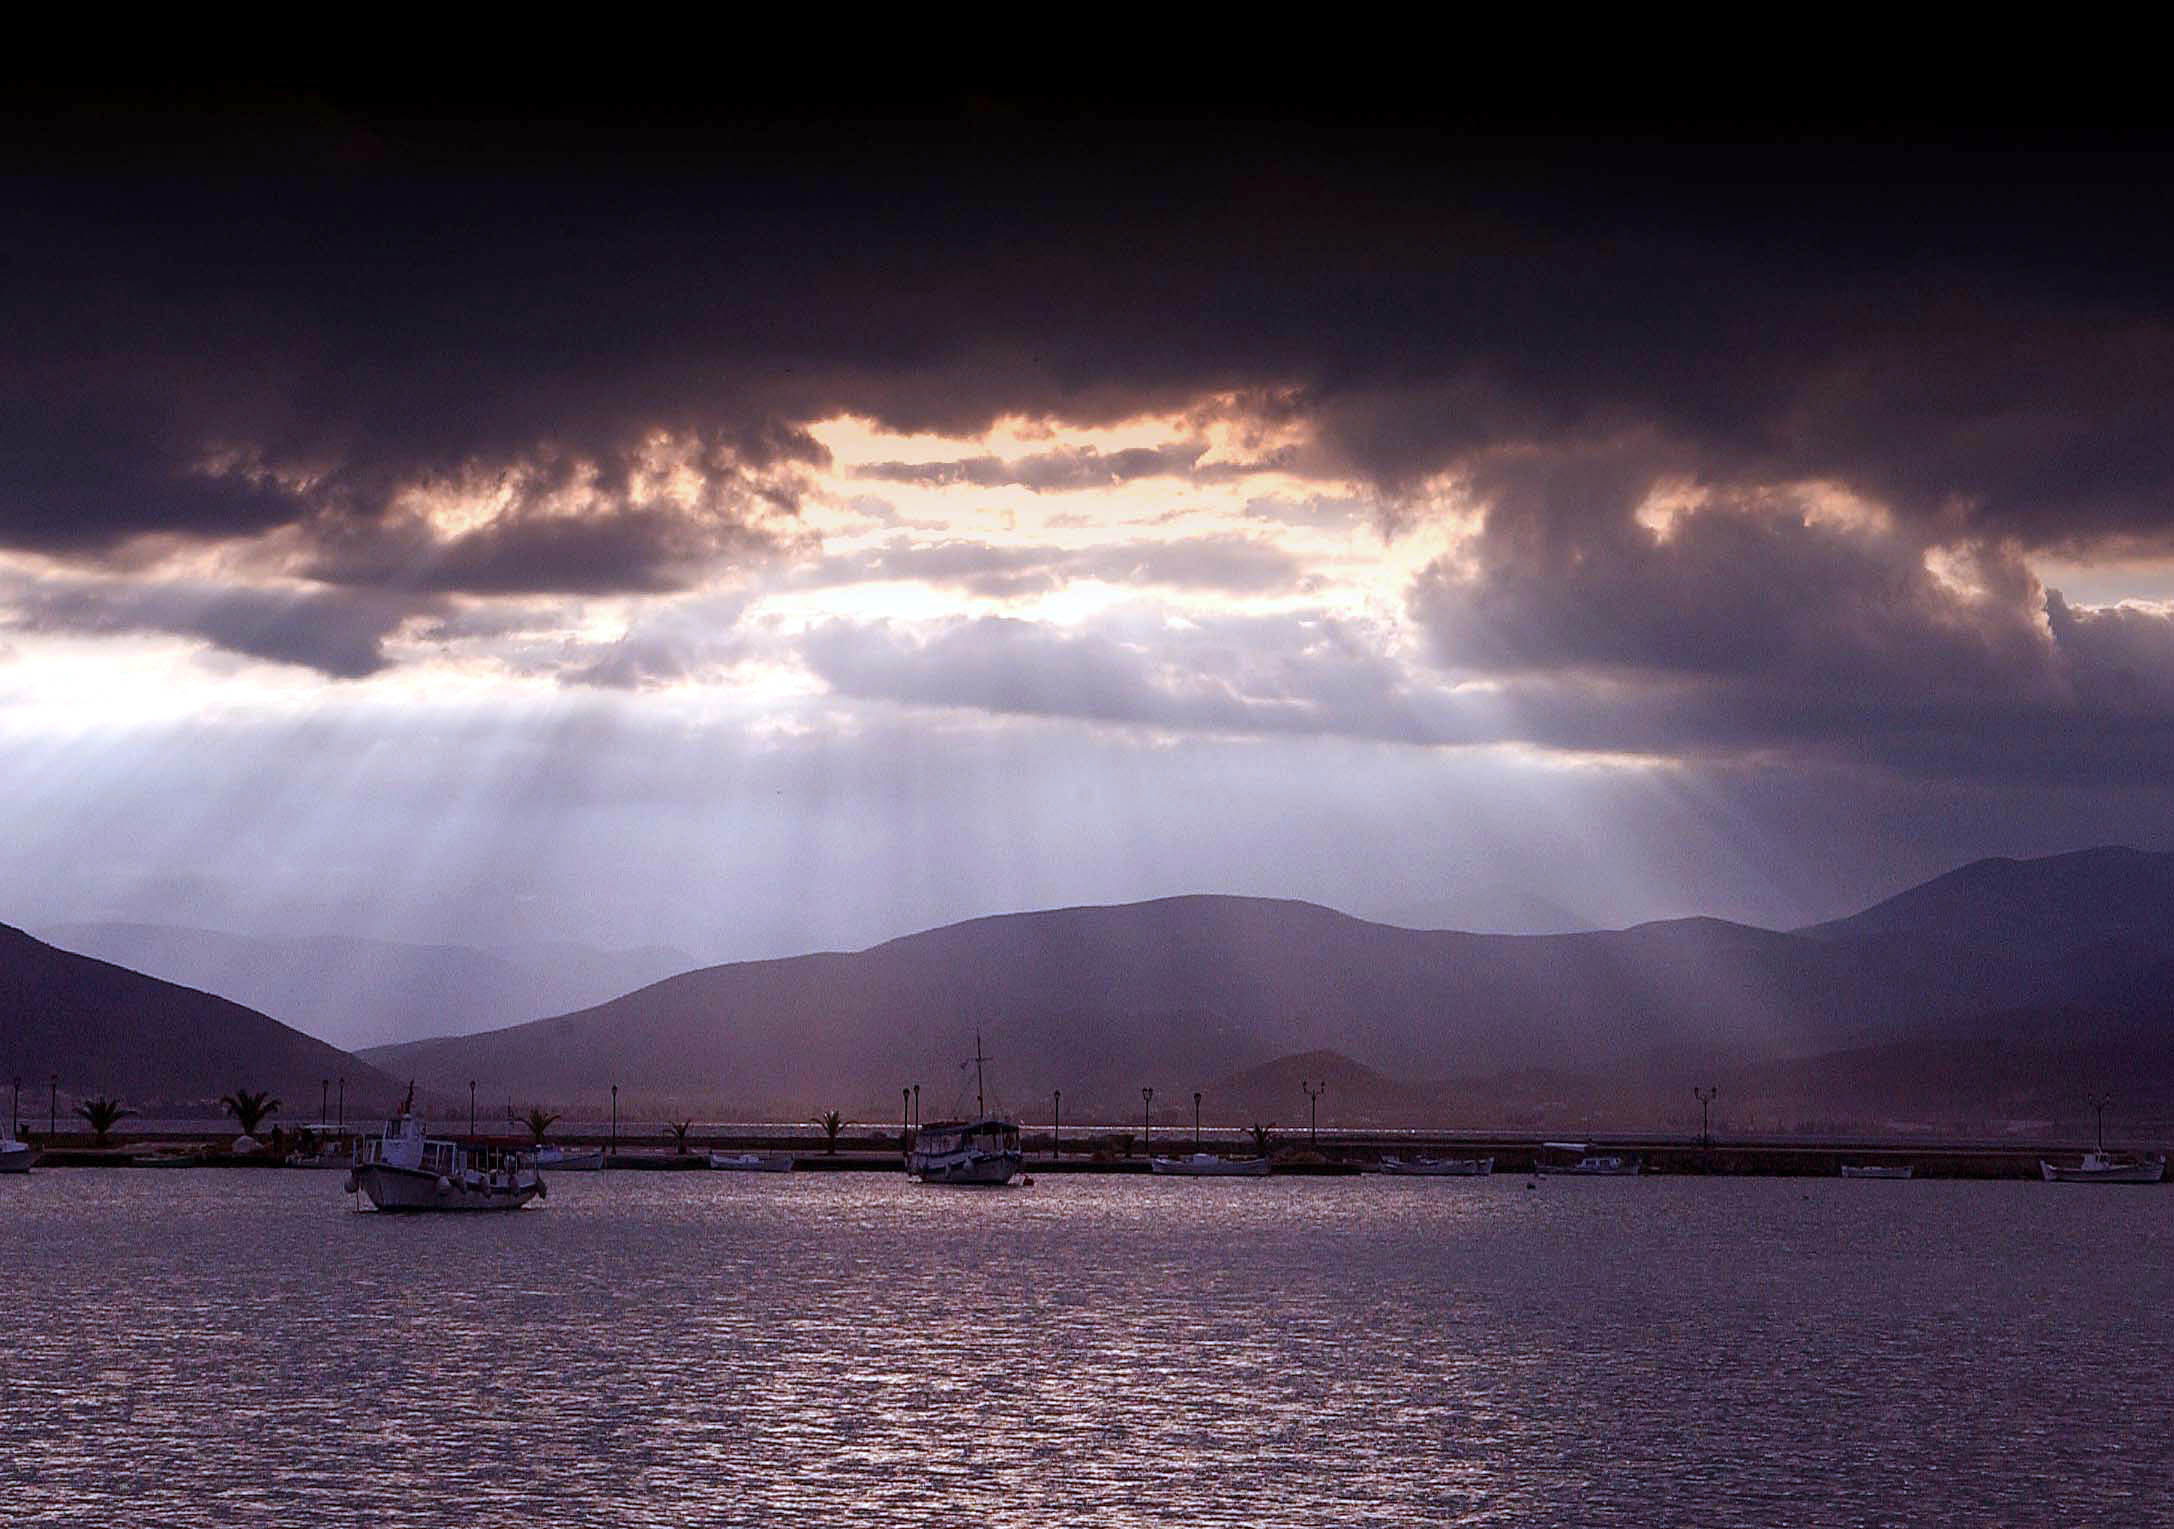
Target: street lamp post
343,1101
324,1098
2098,1108
917,1106
15,1110
1705,1097
1314,1091
1196,1120
1056,1124
905,1117
471,1108
52,1106
1147,1098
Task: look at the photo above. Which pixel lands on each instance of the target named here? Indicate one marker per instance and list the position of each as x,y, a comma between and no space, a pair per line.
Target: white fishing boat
559,1160
329,1152
751,1162
984,1150
1206,1165
1438,1167
2103,1167
1877,1170
1590,1164
15,1155
401,1169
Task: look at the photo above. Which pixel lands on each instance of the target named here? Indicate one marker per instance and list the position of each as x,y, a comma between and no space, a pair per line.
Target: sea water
243,1348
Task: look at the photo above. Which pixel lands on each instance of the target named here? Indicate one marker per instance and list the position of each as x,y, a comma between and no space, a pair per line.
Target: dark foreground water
683,1349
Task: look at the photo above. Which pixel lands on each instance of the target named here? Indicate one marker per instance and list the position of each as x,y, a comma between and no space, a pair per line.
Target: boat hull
1444,1168
414,1189
1204,1167
983,1170
2125,1173
749,1162
1877,1170
15,1157
572,1162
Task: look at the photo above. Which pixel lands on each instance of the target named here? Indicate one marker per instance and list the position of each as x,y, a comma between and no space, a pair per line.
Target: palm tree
103,1114
538,1120
679,1130
249,1109
832,1123
1262,1136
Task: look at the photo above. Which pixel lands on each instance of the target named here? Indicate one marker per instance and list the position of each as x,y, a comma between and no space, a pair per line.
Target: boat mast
980,1108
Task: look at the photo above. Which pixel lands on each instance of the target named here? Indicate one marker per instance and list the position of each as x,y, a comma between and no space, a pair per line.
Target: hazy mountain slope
103,1028
355,992
1101,1000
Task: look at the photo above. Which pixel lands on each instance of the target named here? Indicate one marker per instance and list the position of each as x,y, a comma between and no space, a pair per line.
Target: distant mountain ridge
1100,1001
100,1028
354,992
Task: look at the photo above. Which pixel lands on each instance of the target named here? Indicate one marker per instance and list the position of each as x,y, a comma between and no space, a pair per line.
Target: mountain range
356,992
1185,992
2004,991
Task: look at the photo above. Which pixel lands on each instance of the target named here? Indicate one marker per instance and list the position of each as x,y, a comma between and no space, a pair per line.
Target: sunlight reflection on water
739,1349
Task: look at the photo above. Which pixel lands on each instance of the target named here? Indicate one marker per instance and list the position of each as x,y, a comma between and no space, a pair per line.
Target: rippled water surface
674,1349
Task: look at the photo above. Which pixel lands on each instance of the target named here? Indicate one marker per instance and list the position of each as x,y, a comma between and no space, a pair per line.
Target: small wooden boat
1438,1167
751,1162
1878,1170
558,1160
1206,1165
1590,1164
15,1156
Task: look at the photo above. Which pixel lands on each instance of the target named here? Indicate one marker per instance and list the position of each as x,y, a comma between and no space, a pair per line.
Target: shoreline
1341,1154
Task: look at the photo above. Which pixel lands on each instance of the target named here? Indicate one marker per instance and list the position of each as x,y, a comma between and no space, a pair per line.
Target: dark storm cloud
340,634
1749,624
1980,338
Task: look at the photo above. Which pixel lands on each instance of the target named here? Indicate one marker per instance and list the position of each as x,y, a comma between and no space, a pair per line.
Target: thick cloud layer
1759,451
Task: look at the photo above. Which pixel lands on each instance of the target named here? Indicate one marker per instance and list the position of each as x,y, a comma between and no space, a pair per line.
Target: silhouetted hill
155,1044
2100,904
355,992
1176,993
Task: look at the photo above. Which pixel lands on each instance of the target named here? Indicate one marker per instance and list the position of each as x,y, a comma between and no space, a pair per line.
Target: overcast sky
776,537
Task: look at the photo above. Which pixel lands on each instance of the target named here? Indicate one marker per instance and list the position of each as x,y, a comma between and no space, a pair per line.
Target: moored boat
1206,1165
983,1151
1878,1170
1590,1164
15,1156
558,1160
401,1169
1437,1167
2103,1167
751,1162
